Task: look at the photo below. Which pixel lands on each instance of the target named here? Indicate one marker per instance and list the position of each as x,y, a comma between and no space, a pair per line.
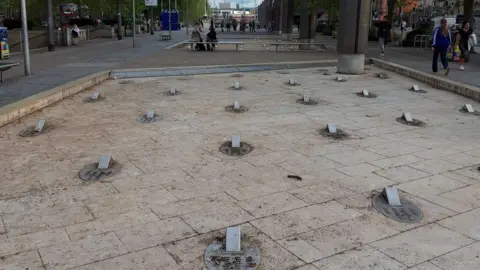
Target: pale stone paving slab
198,187
47,218
354,157
323,192
361,258
183,207
15,205
462,159
329,240
109,223
421,244
271,204
432,185
21,243
468,196
435,166
402,174
303,219
466,258
395,149
68,255
366,182
22,261
467,224
358,170
425,266
154,233
156,258
217,217
395,161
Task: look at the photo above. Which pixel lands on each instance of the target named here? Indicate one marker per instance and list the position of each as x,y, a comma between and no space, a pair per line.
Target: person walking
465,35
383,37
441,41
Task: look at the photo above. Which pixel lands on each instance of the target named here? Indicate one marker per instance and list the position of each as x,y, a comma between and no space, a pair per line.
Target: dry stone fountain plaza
300,196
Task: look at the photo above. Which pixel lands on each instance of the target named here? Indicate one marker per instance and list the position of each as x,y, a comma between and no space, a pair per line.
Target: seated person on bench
211,37
196,37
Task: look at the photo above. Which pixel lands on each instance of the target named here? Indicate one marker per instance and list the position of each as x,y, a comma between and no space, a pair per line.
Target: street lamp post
26,50
133,23
169,18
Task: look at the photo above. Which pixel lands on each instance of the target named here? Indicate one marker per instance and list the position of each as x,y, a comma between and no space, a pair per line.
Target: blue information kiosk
173,17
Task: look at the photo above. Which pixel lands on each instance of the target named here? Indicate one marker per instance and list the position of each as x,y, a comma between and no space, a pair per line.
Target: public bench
4,66
165,36
322,45
236,43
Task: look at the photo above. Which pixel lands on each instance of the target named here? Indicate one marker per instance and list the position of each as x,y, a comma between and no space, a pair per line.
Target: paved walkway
56,68
422,60
176,192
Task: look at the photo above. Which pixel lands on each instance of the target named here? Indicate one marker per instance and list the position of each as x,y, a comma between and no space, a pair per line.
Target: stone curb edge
462,89
199,70
21,108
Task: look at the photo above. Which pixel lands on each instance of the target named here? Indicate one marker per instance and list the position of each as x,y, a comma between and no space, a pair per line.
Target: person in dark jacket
465,34
211,37
441,41
384,36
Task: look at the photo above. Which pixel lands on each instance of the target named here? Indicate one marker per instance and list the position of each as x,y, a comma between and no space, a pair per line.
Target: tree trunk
468,6
391,7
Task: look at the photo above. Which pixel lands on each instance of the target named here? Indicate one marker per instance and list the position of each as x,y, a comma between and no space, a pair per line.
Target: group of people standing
442,42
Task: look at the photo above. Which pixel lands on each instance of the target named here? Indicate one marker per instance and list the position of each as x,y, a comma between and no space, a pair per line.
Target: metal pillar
51,35
119,18
353,36
26,50
304,23
290,10
134,31
151,21
169,18
186,17
280,17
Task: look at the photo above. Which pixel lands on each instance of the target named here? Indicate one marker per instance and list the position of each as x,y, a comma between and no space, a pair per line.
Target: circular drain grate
143,119
236,75
31,132
382,75
415,122
295,84
463,110
406,213
91,173
217,258
339,135
232,110
167,93
309,102
420,91
227,149
126,82
89,99
236,89
370,95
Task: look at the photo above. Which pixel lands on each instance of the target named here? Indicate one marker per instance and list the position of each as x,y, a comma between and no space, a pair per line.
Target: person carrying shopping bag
441,41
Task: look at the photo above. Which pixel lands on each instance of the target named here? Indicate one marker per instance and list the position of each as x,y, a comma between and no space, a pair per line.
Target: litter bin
4,51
